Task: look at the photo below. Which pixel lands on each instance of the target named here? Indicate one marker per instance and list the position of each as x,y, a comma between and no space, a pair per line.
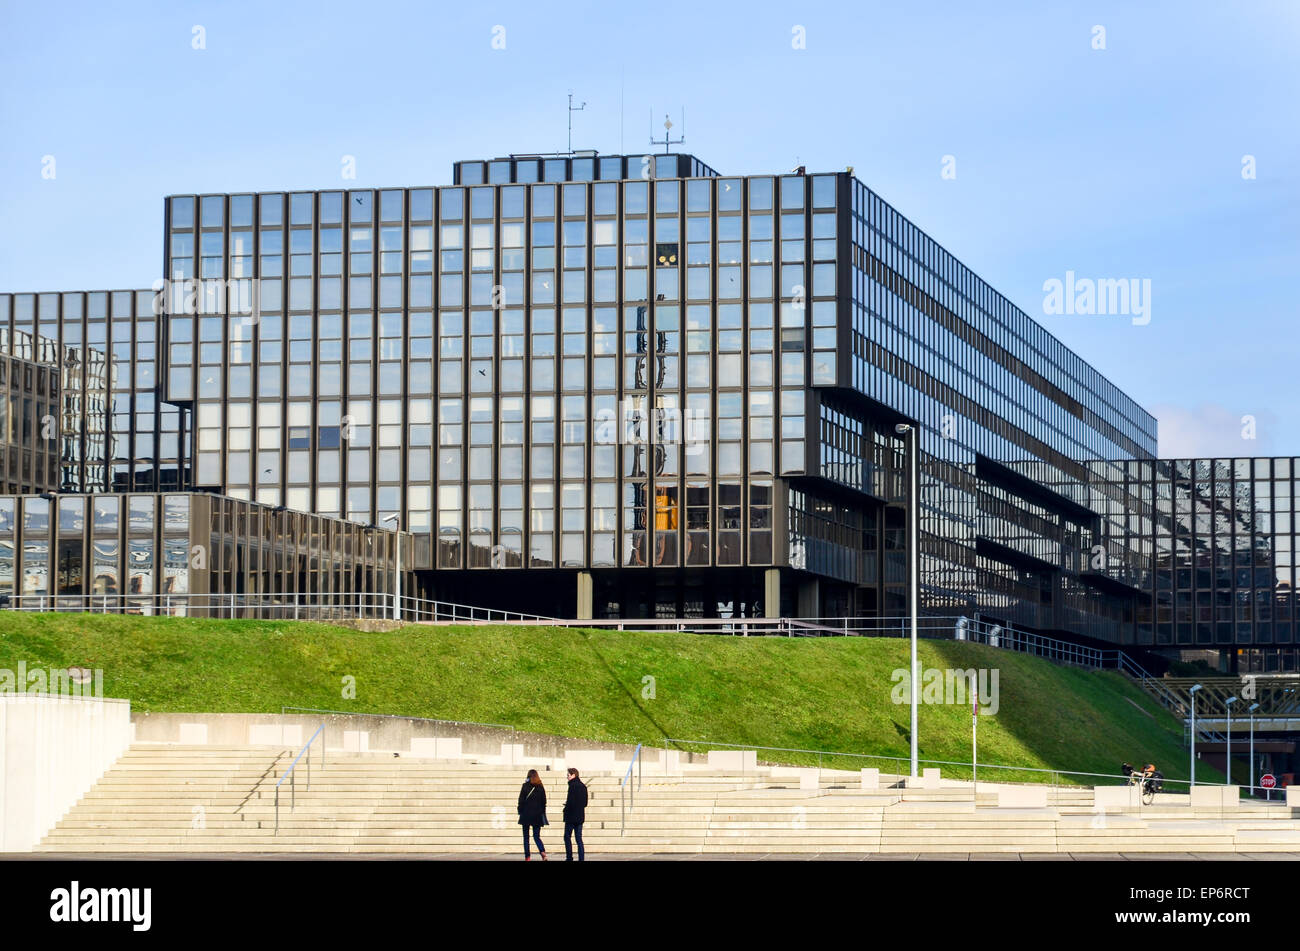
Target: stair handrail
965,764
623,788
286,709
1151,683
288,774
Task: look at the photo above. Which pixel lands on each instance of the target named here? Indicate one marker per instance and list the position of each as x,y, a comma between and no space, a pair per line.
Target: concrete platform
656,857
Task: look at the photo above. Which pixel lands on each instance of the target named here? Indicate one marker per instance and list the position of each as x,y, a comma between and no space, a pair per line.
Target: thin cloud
1211,430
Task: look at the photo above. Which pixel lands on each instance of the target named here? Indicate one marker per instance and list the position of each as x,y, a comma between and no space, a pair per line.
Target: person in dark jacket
575,814
532,811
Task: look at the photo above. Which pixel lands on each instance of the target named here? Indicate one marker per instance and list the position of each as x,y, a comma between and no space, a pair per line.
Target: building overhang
992,471
988,548
1111,585
837,491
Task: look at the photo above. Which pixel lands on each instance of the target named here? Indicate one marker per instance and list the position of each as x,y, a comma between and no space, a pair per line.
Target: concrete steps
221,799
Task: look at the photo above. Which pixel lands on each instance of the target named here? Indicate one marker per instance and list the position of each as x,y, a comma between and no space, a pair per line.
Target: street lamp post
397,573
1227,705
1192,695
1251,710
913,508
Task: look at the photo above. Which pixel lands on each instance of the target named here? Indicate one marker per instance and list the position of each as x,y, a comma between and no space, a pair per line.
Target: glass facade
566,373
1006,416
187,553
29,421
673,389
1219,539
116,433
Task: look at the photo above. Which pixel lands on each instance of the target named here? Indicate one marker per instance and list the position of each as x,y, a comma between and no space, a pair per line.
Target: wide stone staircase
175,798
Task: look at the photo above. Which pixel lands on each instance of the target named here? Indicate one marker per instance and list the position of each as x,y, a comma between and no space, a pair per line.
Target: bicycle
1151,782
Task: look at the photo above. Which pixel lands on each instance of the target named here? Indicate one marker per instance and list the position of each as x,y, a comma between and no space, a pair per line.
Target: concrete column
772,592
810,598
585,587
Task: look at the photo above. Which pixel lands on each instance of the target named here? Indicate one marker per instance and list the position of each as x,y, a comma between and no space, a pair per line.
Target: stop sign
1268,780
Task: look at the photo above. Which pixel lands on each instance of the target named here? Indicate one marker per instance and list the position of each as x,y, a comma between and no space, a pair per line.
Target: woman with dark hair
532,811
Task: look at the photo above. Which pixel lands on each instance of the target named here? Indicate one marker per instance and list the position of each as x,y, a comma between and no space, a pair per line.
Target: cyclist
1151,783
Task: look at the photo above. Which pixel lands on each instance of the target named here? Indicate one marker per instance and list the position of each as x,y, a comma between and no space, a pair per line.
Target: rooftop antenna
572,110
668,140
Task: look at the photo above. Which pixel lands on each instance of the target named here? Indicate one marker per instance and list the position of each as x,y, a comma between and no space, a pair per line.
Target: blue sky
1122,162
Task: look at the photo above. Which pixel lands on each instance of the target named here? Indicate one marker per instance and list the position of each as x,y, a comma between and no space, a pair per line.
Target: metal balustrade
381,606
626,786
299,605
289,774
324,606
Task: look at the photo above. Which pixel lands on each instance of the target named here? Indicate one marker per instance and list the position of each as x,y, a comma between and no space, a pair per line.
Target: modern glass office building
29,435
82,423
1007,417
644,387
117,434
601,376
1219,547
189,554
634,368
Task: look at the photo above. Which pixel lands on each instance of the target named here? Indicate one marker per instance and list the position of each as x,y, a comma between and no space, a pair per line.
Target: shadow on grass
631,695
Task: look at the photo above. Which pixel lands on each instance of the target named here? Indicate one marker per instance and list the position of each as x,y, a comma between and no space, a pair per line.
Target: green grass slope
813,694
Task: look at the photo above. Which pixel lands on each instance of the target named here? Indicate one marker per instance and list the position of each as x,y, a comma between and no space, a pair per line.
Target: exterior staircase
173,798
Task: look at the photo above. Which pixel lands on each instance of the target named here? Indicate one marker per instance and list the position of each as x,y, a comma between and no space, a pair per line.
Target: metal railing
289,774
1038,645
740,627
1278,694
396,716
623,788
822,756
1170,699
379,605
480,739
1268,792
300,605
425,609
1203,733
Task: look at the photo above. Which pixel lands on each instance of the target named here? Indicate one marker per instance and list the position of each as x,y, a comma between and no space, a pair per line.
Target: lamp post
1192,696
1227,705
397,572
913,508
1251,710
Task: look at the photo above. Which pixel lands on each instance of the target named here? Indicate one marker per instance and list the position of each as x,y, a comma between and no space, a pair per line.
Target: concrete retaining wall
413,736
743,761
1116,798
1022,797
52,750
1216,797
929,779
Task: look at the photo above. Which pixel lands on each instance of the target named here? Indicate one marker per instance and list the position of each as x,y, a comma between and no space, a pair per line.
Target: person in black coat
575,814
532,811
